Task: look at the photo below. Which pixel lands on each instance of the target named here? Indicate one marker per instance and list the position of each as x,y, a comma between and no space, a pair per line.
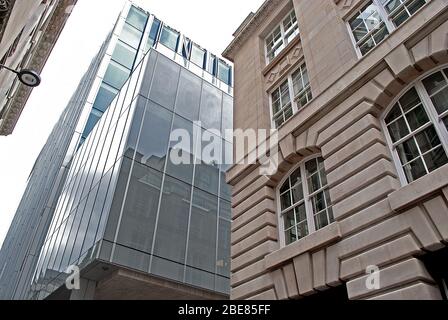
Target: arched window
417,127
304,201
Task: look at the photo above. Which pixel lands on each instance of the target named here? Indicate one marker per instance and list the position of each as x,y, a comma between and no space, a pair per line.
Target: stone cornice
37,62
260,16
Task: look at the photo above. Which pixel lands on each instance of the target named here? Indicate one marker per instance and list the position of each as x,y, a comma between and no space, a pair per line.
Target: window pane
321,220
286,186
131,36
223,259
434,83
398,129
189,95
408,151
197,56
414,170
116,75
94,117
173,221
415,5
319,202
202,241
290,236
435,159
211,107
164,85
409,100
223,72
311,167
105,96
289,219
182,147
137,18
427,139
169,38
300,213
401,17
417,118
140,208
153,33
297,193
440,101
302,230
124,55
156,123
393,114
368,28
285,201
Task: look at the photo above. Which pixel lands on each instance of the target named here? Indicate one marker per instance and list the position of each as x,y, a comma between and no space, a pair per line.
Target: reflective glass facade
143,31
121,200
124,201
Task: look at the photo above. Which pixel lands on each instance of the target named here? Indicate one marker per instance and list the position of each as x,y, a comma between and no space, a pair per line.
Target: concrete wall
378,221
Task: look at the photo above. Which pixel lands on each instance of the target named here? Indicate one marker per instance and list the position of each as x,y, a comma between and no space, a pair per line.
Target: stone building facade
29,31
358,92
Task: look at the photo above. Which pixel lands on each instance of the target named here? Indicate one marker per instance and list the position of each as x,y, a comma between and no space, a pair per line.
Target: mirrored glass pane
398,129
289,219
140,208
167,269
197,56
181,156
203,227
434,83
164,85
137,18
415,170
189,95
124,55
409,100
154,137
169,38
435,159
105,96
211,106
131,36
116,75
427,139
172,227
200,278
408,150
417,117
227,117
440,101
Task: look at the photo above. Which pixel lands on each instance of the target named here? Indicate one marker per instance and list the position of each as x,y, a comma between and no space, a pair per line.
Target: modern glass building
138,225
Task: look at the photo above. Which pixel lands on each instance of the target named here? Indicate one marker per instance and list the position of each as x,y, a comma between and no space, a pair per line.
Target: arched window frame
307,200
430,109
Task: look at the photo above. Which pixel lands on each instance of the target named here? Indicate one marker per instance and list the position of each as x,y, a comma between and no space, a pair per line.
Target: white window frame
391,15
284,39
435,119
307,198
387,19
293,96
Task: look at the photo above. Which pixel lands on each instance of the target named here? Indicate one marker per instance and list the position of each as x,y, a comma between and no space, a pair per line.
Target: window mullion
385,16
308,201
295,109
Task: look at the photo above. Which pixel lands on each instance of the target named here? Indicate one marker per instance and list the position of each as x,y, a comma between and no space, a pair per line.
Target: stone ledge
312,242
419,189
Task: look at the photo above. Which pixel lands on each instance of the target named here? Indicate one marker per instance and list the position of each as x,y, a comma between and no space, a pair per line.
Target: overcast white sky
210,23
